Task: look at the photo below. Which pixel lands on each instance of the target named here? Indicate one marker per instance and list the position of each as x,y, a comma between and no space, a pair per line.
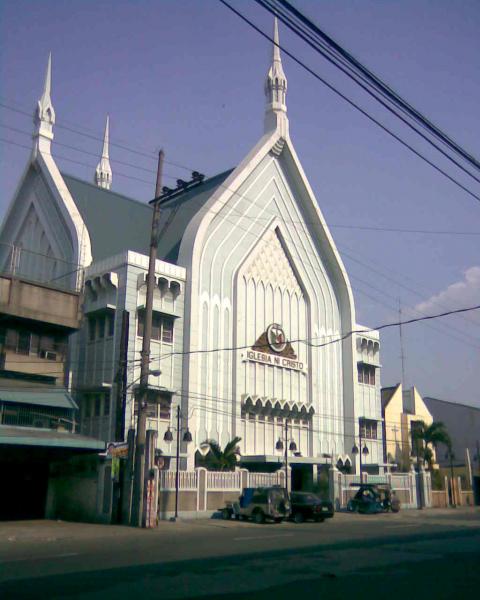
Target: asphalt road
364,556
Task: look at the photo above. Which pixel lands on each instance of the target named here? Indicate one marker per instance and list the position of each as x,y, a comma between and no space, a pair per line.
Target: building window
106,404
91,329
101,327
110,324
366,374
23,345
162,327
167,330
368,429
98,404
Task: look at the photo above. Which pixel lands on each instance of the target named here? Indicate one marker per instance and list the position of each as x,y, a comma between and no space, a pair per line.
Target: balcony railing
40,417
34,266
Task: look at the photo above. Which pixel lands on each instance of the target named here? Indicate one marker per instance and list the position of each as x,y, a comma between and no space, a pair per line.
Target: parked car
371,499
306,505
259,504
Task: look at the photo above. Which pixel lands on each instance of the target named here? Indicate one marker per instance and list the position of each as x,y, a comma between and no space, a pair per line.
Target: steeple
103,172
276,90
44,117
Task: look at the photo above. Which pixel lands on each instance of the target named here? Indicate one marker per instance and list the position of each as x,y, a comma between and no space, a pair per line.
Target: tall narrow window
23,346
101,327
110,324
91,329
167,330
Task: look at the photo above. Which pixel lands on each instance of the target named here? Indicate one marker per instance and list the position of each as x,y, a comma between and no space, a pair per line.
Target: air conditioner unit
48,354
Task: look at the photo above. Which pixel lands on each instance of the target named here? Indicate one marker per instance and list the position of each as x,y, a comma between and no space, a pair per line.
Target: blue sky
188,76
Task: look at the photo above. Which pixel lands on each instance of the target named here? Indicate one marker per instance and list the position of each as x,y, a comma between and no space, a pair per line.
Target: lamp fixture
168,436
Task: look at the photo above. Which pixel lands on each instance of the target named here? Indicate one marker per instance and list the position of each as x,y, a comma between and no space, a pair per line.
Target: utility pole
286,456
139,488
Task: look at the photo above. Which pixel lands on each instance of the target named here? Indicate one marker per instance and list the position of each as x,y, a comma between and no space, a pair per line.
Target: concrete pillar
426,480
243,479
334,488
201,489
128,479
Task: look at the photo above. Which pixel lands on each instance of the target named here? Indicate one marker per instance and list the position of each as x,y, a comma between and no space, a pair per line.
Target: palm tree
426,437
221,460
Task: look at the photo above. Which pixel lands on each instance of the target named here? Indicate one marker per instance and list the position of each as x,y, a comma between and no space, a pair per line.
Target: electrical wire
352,103
368,75
223,186
329,56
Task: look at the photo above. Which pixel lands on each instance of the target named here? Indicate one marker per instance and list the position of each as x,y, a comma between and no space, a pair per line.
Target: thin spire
276,89
44,117
103,172
276,45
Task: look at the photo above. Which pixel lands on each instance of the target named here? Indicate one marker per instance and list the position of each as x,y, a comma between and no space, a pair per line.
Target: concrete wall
82,497
39,302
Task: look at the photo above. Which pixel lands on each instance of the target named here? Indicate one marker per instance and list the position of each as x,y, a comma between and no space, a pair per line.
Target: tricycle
373,498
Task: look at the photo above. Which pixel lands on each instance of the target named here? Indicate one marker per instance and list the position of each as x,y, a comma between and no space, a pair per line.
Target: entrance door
302,478
24,491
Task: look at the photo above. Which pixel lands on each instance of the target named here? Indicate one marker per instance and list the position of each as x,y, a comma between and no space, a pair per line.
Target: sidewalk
50,531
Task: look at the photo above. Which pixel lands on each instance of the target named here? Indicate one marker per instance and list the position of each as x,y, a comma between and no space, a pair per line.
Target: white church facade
254,329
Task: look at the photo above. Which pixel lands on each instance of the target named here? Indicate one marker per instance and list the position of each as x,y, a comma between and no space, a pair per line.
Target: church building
254,328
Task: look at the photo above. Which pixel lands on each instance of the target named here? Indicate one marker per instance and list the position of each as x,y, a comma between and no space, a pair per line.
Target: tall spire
44,117
103,172
276,90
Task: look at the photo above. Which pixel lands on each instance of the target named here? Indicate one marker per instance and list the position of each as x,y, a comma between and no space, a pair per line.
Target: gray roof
58,398
117,223
462,423
177,213
25,436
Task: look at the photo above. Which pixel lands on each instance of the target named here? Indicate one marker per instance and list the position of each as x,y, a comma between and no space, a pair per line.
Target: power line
352,103
98,138
386,90
58,156
337,226
308,341
202,208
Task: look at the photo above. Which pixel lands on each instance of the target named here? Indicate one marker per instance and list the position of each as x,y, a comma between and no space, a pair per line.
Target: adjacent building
38,415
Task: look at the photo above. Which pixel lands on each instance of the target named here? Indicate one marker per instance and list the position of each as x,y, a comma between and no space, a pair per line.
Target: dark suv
306,505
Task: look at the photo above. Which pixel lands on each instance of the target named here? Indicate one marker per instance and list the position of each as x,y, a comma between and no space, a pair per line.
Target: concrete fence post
445,483
201,489
334,487
244,479
414,494
459,491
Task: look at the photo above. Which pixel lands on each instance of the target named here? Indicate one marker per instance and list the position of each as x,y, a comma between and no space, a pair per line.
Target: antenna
402,353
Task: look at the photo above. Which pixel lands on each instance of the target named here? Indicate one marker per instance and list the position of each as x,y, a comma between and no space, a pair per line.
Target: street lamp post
416,452
365,451
450,455
168,437
292,447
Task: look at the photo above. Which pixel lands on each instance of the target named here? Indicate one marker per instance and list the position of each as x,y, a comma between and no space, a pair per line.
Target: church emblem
274,349
276,338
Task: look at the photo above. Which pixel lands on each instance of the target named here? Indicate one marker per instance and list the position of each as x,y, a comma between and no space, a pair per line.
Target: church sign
273,348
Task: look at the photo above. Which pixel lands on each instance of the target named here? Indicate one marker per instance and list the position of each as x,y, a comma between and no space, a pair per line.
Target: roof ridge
450,402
